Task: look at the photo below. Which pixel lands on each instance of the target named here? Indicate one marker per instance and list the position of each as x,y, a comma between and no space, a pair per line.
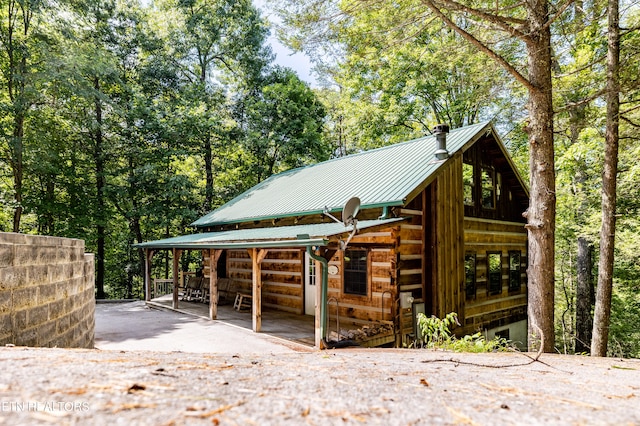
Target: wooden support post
214,256
318,313
148,255
176,265
257,256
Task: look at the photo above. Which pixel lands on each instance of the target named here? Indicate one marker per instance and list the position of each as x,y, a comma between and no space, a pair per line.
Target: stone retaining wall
46,292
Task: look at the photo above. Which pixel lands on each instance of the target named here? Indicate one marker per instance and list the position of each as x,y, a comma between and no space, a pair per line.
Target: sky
299,62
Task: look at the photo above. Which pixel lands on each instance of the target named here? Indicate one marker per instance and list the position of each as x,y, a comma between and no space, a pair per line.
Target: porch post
257,256
176,265
148,255
214,256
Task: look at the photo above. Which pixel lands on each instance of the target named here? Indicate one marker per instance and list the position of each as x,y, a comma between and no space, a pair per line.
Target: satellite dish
350,211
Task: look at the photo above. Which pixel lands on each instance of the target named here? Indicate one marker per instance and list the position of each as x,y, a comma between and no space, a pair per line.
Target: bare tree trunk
100,202
17,166
208,167
542,208
602,312
584,297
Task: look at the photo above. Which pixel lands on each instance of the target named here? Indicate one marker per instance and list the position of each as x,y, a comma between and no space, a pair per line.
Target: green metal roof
380,177
278,236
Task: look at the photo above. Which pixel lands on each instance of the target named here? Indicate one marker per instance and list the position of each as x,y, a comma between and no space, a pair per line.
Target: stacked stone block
46,292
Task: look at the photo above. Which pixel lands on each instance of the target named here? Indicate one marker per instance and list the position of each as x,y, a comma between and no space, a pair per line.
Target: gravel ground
333,387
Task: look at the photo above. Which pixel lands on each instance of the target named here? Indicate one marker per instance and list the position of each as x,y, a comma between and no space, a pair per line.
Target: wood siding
282,277
487,310
380,301
448,293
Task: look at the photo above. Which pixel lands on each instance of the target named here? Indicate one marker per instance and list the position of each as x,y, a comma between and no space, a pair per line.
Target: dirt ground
333,387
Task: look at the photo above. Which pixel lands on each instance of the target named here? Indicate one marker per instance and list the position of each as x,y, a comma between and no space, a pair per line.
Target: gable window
470,275
355,272
488,188
494,264
514,271
468,184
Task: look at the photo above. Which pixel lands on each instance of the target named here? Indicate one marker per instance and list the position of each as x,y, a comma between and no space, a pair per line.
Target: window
470,275
355,272
468,184
488,188
494,264
514,271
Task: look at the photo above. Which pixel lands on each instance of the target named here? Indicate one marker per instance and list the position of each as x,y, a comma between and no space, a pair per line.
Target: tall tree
284,126
23,45
210,40
602,314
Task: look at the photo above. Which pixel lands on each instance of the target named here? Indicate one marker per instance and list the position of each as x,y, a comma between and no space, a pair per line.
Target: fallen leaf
424,382
136,387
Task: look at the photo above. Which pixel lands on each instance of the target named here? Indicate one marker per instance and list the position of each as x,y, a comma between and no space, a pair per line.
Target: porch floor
285,325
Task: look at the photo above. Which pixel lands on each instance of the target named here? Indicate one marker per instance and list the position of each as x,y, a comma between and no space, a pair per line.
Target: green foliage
284,126
126,105
436,334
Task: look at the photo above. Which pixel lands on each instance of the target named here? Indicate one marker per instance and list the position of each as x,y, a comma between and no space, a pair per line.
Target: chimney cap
441,128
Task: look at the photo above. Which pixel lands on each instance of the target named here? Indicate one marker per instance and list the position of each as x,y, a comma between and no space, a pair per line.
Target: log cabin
438,228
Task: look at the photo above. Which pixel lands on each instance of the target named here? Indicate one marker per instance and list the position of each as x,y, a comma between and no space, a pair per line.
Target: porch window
494,264
355,272
468,184
488,188
514,271
470,274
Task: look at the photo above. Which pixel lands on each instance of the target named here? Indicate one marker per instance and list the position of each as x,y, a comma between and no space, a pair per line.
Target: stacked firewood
363,333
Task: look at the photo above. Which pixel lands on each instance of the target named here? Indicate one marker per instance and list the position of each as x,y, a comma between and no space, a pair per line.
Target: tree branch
500,21
626,111
632,123
582,101
469,37
559,13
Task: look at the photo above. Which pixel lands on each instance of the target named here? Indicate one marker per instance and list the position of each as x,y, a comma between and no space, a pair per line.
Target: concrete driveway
133,326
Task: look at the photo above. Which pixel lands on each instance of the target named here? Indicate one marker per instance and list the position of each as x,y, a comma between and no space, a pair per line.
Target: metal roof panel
383,176
276,236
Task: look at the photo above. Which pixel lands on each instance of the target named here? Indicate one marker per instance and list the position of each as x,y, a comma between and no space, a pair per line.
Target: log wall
379,303
485,310
282,277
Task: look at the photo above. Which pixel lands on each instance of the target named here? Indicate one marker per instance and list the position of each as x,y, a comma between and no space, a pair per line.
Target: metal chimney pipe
440,131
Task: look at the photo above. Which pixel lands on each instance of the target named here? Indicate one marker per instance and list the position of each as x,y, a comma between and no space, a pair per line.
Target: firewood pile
364,333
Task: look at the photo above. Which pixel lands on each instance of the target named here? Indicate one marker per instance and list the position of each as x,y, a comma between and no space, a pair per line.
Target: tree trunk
18,168
602,312
208,167
584,297
100,202
542,208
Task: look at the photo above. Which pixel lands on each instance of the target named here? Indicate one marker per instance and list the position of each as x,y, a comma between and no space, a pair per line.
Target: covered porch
318,241
284,325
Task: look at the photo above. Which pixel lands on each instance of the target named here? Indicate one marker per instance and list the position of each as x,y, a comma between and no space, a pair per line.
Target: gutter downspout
385,213
325,284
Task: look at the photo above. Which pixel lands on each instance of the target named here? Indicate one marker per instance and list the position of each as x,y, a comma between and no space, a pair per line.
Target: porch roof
317,234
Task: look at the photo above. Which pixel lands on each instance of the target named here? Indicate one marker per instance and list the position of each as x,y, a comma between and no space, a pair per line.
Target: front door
310,280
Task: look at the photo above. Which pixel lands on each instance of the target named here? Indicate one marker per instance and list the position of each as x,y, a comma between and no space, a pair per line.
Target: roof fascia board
241,245
297,214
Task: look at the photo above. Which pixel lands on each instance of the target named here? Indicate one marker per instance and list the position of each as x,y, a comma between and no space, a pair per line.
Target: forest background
124,121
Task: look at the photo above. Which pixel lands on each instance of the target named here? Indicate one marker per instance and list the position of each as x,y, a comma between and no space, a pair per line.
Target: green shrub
436,334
